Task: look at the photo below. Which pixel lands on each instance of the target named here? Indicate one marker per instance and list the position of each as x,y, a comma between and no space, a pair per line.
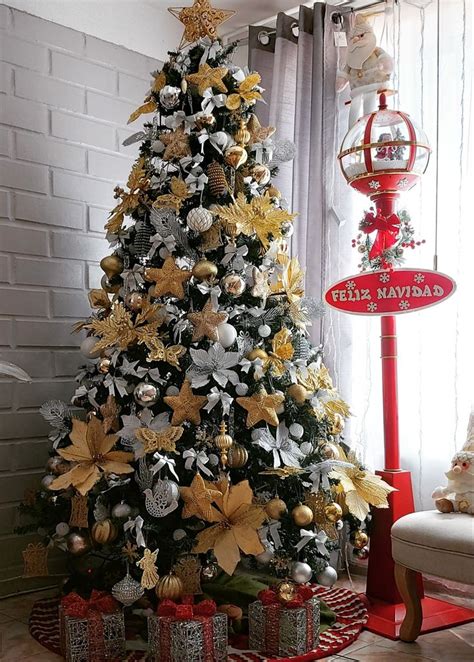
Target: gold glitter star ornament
208,76
185,405
200,20
170,279
261,406
205,323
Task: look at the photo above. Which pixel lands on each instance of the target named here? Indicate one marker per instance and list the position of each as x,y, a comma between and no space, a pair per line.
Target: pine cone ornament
217,180
142,242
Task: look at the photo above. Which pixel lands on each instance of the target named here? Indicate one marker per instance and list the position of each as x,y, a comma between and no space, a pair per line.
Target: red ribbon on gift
273,606
99,603
170,612
387,228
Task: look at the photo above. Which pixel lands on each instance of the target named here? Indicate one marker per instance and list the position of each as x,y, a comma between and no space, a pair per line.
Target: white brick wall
65,98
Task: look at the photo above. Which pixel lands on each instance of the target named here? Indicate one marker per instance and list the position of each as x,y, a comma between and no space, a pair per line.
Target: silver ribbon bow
164,461
136,525
319,473
211,101
235,255
157,239
116,384
190,162
215,396
214,291
319,539
220,140
263,151
200,458
178,118
196,180
211,49
90,393
133,278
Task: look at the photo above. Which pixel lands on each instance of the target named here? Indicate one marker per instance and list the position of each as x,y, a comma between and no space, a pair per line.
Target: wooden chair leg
407,586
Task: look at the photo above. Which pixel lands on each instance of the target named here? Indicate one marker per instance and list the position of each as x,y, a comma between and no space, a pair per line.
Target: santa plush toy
368,69
458,495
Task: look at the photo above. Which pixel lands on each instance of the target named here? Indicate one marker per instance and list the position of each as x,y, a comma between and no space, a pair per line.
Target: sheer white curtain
433,74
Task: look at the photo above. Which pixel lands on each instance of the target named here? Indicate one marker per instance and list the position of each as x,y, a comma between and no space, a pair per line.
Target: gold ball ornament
286,591
135,300
359,539
111,285
78,544
298,393
274,192
223,442
330,451
233,284
235,156
257,353
104,532
302,515
103,365
169,587
276,508
333,512
261,174
338,425
237,456
112,265
204,270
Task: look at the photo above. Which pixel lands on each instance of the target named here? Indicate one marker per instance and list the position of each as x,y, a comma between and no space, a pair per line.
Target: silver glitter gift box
90,640
171,640
279,631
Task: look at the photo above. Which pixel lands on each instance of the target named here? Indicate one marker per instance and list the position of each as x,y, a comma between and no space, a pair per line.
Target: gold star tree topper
200,20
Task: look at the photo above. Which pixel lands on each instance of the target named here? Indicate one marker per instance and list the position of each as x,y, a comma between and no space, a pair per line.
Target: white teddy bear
458,495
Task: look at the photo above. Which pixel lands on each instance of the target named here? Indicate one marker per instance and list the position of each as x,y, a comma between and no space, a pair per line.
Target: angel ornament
148,564
368,70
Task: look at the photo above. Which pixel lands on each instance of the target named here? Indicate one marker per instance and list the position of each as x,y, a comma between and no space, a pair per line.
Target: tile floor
456,645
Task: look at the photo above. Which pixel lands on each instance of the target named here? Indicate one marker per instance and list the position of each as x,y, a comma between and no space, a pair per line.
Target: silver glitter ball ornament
199,219
146,394
300,572
241,389
209,572
328,577
169,97
127,590
121,510
287,229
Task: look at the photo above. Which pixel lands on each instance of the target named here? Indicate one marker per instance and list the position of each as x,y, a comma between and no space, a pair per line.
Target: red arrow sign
390,292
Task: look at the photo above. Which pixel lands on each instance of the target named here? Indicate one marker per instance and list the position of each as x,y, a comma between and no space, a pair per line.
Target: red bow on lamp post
387,228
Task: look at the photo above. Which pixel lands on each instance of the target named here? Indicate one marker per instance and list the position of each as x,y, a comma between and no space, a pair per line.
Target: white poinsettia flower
131,423
215,363
285,450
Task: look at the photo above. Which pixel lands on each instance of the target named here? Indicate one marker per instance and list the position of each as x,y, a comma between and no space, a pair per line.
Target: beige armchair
440,544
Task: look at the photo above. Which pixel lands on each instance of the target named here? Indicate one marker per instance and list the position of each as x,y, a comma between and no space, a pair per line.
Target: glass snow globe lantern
383,155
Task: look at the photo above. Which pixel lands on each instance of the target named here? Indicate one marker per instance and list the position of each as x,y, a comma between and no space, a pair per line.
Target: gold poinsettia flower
119,328
246,93
282,472
137,183
361,488
237,520
174,200
259,216
290,280
282,350
92,455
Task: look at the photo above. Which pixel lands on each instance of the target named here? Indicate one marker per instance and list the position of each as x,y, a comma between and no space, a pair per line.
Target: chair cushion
435,543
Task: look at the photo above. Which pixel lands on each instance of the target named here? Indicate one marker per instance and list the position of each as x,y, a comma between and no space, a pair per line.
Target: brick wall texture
65,98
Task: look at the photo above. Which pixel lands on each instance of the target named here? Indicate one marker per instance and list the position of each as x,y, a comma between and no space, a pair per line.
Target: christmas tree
212,435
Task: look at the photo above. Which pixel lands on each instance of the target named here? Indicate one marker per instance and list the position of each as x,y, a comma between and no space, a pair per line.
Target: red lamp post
383,155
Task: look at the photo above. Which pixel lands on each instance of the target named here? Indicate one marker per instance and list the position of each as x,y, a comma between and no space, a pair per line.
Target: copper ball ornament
204,270
261,174
302,515
298,393
362,554
333,512
235,156
146,394
276,508
330,451
111,285
233,284
111,265
237,456
274,192
78,544
169,587
134,301
359,539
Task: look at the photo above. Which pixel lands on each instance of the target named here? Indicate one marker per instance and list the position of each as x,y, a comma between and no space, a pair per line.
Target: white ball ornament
164,252
255,434
264,330
306,447
121,510
226,334
62,529
296,430
172,390
241,388
328,577
87,347
179,534
199,219
300,572
47,480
